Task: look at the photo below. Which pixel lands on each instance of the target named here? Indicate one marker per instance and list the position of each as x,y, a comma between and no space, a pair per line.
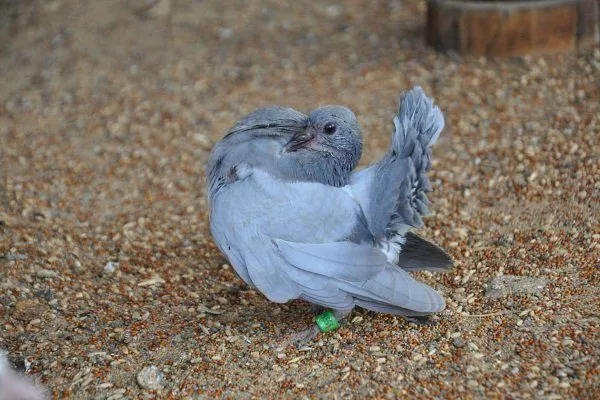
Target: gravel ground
111,287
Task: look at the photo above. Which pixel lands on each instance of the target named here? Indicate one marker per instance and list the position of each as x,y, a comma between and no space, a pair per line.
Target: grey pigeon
296,222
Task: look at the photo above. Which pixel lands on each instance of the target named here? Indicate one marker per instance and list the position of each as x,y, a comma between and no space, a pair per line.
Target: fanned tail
418,125
393,192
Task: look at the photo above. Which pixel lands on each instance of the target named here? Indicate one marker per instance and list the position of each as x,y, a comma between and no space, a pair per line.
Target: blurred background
108,111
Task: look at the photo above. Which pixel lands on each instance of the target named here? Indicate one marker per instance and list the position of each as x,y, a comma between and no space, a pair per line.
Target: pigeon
297,222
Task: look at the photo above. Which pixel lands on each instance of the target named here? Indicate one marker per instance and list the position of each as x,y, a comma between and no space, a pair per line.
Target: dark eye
330,128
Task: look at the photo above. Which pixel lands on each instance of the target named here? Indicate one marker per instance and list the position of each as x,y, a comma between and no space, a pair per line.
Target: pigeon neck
317,167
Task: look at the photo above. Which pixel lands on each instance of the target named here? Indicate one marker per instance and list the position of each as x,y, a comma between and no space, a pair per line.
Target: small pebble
151,378
110,267
508,285
47,274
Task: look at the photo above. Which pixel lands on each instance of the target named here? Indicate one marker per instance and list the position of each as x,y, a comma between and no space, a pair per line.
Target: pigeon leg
304,336
341,314
307,335
317,309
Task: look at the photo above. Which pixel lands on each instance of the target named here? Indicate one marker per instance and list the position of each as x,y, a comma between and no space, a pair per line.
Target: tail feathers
417,117
417,253
418,125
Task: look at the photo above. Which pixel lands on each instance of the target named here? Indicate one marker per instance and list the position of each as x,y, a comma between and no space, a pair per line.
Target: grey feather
339,260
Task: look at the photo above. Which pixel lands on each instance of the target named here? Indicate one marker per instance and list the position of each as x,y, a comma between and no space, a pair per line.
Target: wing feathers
397,289
339,260
360,271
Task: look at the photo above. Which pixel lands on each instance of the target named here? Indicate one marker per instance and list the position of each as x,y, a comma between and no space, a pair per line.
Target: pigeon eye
330,128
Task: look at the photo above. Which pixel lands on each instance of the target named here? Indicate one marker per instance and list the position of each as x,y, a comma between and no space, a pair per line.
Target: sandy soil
108,113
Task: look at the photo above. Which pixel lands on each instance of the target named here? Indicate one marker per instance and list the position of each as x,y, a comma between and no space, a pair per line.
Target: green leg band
327,322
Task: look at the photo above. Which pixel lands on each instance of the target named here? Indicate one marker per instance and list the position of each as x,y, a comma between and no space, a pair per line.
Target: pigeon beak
298,141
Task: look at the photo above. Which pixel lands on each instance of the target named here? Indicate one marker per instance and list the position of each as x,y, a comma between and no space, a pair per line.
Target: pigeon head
332,134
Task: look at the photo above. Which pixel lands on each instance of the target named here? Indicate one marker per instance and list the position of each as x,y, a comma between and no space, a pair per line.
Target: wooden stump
512,28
